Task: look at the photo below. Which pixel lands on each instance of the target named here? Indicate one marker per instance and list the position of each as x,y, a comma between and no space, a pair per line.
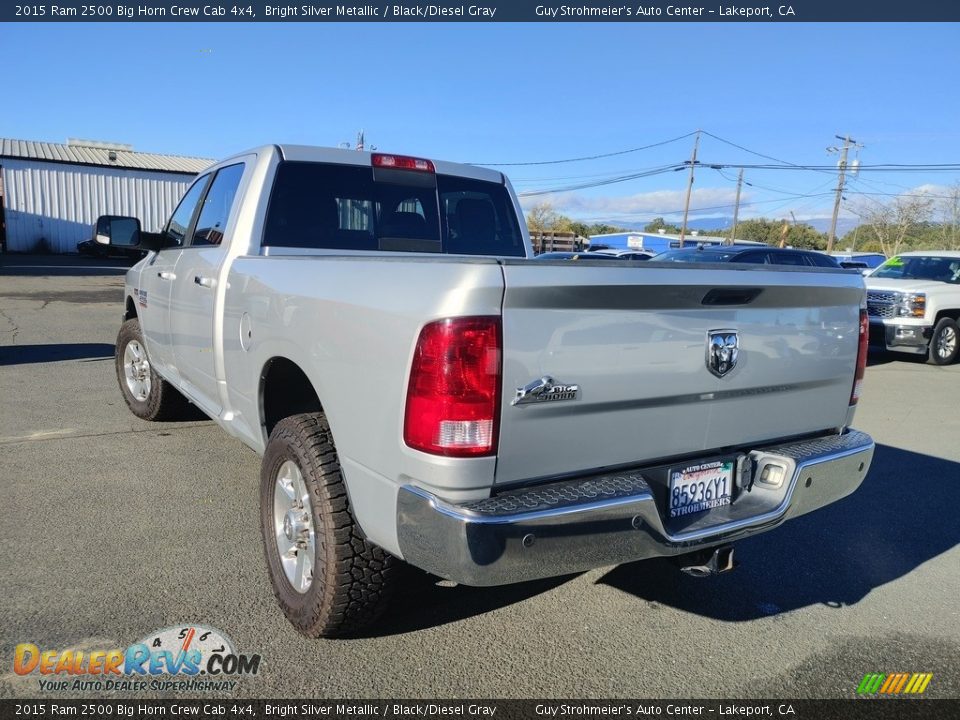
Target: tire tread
164,401
353,577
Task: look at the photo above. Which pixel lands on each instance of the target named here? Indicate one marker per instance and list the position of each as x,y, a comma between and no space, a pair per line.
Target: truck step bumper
578,524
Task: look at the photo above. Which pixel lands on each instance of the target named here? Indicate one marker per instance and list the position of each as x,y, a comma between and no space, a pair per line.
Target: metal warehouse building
51,194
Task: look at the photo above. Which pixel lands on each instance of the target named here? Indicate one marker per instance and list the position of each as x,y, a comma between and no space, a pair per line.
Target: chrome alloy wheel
293,526
946,342
136,370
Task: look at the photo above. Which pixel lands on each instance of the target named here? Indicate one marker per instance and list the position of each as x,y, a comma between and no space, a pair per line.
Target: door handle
164,275
204,281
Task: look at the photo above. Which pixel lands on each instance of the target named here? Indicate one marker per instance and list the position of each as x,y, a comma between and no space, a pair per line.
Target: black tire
942,351
162,401
352,578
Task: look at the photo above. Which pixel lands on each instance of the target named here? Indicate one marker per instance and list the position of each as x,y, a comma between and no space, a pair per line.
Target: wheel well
131,311
953,314
285,390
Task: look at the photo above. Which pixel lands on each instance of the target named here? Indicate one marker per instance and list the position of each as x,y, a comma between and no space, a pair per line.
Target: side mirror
125,232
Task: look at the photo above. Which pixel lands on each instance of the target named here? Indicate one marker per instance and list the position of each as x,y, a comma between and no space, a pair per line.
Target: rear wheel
148,395
944,342
329,579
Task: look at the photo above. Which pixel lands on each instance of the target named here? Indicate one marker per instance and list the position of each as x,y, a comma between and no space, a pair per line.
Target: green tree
541,218
658,224
806,236
899,225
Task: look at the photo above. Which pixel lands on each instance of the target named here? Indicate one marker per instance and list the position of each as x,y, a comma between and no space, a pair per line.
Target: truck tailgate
635,342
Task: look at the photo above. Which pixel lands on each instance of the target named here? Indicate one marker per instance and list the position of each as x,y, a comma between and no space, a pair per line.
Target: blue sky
513,93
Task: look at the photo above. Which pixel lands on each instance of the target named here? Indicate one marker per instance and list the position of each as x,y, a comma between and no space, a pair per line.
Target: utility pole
686,205
847,143
736,210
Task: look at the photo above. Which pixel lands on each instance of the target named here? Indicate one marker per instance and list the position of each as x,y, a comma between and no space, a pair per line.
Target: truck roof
313,153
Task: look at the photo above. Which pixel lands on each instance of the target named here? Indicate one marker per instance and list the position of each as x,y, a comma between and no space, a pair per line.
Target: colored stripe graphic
894,683
871,683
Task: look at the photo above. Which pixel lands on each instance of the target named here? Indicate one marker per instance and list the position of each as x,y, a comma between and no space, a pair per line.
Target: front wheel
329,579
944,342
148,395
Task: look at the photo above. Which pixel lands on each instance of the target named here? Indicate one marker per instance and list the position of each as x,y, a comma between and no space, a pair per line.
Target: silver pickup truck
421,391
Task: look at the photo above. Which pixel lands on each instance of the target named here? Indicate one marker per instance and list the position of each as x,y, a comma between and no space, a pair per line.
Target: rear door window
343,207
787,258
818,260
752,257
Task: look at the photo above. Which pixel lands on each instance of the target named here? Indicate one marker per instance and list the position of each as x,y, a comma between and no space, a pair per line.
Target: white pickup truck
913,301
420,390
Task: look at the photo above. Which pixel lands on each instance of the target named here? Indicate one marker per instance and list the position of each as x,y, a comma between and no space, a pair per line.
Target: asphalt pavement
113,527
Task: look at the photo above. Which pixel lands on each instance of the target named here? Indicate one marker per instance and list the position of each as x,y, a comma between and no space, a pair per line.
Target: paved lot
113,527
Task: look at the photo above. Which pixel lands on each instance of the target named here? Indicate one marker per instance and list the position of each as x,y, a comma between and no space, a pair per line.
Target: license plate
697,488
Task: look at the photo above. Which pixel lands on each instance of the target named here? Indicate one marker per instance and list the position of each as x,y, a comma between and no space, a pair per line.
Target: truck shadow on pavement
63,265
54,352
879,357
904,514
427,602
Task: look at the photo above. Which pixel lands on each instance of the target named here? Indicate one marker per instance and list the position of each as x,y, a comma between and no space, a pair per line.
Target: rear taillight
453,399
402,162
861,356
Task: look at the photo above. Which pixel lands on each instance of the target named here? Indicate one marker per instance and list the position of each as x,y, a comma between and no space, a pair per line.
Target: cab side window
216,206
176,230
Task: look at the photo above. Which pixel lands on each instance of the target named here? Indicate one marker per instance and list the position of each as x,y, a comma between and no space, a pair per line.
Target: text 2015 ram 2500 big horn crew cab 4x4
421,391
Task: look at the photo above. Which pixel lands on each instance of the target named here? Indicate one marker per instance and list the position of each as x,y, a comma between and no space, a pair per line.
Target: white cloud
928,189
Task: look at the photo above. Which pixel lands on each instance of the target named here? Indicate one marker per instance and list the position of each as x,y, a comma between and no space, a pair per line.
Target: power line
587,157
746,149
604,175
600,183
886,167
811,193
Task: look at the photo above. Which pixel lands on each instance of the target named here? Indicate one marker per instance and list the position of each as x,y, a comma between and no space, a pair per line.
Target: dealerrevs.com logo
185,658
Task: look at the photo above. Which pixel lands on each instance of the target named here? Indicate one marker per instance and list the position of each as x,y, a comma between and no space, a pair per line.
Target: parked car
863,261
626,254
749,254
606,254
913,301
574,256
420,391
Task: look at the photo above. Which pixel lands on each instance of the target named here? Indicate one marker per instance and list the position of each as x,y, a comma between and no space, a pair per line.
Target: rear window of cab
352,207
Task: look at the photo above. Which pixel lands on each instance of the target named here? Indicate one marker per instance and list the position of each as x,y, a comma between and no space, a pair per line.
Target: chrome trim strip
476,518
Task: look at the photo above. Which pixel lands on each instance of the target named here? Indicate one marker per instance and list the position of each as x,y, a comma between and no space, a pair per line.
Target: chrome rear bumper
583,523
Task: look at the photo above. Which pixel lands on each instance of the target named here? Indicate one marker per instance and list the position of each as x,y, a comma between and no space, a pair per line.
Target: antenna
361,143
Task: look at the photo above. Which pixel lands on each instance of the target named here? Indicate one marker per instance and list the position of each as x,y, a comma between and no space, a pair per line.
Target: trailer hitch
703,563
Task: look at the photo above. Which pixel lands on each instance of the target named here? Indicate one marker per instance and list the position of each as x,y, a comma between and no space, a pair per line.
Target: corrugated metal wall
59,203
